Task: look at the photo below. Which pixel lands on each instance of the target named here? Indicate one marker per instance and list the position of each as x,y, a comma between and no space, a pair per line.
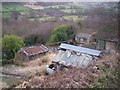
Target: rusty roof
34,50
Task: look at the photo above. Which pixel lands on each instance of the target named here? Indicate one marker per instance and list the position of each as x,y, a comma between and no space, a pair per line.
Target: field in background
74,18
14,7
8,9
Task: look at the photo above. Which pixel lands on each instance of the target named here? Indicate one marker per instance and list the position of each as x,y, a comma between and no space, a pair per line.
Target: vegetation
61,33
38,27
7,14
68,10
74,18
104,20
0,51
14,7
34,39
8,10
110,76
106,76
10,45
43,19
56,7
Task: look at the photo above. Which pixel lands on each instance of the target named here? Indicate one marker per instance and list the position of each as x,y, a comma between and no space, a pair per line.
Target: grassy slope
14,7
8,8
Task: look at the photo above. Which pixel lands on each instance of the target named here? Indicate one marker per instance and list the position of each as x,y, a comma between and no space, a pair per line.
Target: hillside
104,77
49,24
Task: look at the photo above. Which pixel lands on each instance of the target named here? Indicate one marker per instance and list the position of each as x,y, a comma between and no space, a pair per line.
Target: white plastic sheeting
49,70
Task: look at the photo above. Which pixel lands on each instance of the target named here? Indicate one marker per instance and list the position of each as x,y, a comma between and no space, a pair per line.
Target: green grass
55,6
72,10
7,14
70,17
74,17
43,19
67,10
14,7
6,9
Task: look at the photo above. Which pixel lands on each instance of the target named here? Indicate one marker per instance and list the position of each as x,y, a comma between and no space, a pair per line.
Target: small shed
32,52
106,44
84,38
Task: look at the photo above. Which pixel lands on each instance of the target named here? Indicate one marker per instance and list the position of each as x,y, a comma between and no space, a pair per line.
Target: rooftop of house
34,50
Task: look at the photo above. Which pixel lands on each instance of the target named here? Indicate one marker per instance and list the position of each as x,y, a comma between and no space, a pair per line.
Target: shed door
100,44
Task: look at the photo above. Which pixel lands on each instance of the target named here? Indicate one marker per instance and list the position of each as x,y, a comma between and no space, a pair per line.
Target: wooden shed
106,44
84,38
33,52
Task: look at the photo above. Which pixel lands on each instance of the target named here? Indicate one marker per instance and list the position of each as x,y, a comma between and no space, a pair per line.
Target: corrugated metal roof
80,49
82,60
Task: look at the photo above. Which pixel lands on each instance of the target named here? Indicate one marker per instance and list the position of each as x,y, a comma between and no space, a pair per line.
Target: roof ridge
80,49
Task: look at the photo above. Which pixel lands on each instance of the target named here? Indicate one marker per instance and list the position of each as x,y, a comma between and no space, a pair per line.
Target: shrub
10,45
62,33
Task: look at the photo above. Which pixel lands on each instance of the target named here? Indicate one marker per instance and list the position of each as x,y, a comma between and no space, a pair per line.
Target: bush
61,33
4,62
33,39
10,45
